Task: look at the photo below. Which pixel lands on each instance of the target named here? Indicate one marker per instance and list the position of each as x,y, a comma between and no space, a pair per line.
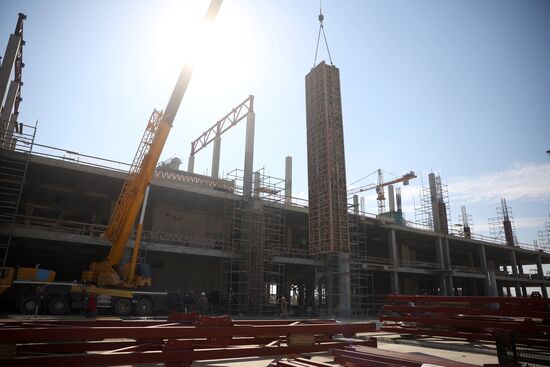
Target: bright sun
219,52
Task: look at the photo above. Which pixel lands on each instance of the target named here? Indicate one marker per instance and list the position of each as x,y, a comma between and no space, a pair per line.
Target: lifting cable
321,29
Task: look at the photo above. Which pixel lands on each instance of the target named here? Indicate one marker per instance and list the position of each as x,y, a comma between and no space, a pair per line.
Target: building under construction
244,239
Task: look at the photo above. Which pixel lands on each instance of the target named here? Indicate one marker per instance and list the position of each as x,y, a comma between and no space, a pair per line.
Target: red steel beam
14,336
176,356
528,328
468,299
519,312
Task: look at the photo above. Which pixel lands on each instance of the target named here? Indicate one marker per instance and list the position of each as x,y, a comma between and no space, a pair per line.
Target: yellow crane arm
141,172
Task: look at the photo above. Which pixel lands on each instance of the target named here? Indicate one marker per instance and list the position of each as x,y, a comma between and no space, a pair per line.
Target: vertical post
391,196
514,265
288,180
540,273
7,64
355,204
191,164
249,155
257,184
394,275
433,198
139,231
216,157
483,266
6,129
344,284
441,261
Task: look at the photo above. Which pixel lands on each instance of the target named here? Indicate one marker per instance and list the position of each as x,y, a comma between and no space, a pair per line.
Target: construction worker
202,304
284,307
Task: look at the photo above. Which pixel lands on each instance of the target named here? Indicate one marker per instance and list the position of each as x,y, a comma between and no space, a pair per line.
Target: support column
391,197
344,284
355,204
514,265
256,185
216,157
448,265
191,164
441,262
540,273
523,287
7,64
288,180
248,155
6,129
392,250
487,291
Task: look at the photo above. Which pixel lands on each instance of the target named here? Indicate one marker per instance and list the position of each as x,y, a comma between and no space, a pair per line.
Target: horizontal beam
225,123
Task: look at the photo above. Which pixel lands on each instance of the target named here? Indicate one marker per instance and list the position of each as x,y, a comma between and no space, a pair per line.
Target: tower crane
379,187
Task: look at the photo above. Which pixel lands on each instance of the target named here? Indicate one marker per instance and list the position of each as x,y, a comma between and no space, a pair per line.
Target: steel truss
174,343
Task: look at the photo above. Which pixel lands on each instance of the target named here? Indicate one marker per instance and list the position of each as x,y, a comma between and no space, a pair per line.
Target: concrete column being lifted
288,180
249,155
191,164
391,197
7,64
216,157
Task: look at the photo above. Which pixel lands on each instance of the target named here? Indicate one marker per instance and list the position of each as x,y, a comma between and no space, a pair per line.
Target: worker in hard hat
202,304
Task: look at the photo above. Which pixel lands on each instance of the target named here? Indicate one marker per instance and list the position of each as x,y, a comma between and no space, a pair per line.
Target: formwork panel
328,223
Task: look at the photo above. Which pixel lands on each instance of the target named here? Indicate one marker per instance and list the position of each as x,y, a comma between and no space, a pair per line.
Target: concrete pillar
433,199
442,265
191,164
447,253
493,287
10,141
7,64
288,180
355,204
344,284
216,157
6,131
248,155
392,250
483,266
391,197
514,263
540,272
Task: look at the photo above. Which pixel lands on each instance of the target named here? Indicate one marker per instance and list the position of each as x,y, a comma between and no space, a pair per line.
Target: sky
459,88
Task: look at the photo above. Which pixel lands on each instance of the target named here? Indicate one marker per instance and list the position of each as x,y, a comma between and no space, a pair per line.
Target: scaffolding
361,281
14,164
252,281
434,212
502,226
544,238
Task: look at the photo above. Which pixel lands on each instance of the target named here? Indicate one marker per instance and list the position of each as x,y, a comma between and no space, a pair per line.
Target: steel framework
172,342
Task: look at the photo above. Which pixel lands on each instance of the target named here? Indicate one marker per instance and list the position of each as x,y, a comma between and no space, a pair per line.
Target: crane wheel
144,307
29,305
122,307
58,305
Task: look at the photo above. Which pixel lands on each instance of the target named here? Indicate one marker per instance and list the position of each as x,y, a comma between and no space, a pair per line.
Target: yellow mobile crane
116,288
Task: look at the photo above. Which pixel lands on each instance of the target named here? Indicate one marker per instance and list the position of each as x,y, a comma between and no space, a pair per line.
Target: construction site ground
453,349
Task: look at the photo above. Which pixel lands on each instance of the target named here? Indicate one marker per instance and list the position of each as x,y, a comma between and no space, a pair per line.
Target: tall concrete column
344,284
191,164
523,287
355,204
6,129
257,184
442,266
483,266
10,141
7,64
392,250
514,265
391,197
433,199
288,180
216,157
249,155
448,265
540,273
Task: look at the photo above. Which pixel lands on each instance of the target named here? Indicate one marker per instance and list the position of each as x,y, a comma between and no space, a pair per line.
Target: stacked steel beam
526,321
115,342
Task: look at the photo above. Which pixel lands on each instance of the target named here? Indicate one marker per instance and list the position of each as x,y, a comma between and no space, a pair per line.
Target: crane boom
141,172
405,179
